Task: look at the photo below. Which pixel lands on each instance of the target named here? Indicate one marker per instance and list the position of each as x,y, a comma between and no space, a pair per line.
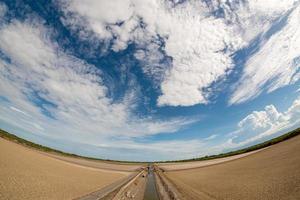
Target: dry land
31,171
29,174
273,173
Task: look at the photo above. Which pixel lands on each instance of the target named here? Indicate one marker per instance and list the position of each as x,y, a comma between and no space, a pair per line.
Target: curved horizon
233,154
149,80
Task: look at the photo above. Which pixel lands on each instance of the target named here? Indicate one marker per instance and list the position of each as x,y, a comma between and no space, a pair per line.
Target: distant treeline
248,149
16,139
276,140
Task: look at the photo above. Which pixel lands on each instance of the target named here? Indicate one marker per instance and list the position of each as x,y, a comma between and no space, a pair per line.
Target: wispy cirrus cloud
211,137
275,64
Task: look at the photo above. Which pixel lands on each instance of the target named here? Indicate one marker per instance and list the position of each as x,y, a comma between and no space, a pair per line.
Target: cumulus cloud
264,123
261,119
294,111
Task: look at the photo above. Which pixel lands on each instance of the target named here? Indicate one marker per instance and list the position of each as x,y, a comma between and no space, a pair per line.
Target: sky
146,80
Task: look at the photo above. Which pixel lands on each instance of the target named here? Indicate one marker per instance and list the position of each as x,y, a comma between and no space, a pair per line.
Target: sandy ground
196,164
273,173
28,174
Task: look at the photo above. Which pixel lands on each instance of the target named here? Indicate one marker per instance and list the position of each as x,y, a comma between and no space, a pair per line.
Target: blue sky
149,80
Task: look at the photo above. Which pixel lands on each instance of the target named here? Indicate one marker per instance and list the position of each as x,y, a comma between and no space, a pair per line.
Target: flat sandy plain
270,174
28,174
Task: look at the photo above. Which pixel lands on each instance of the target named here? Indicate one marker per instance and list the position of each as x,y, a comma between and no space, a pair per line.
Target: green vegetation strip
16,139
276,140
248,149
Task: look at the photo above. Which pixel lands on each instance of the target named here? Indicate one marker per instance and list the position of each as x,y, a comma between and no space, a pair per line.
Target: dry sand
28,174
273,173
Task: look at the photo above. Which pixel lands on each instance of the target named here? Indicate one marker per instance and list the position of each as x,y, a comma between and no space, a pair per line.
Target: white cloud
260,124
199,43
197,61
252,17
261,119
276,64
18,110
154,62
194,40
3,9
162,150
63,95
294,111
211,137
